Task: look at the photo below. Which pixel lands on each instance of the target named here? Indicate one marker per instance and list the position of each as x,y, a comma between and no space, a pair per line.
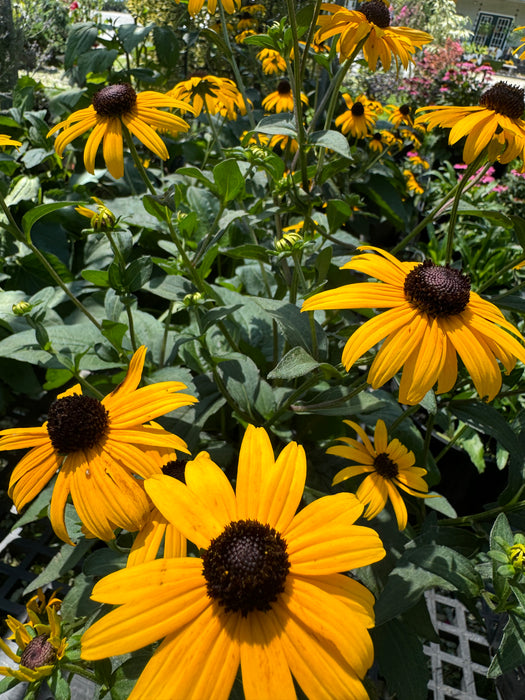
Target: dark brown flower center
376,12
176,468
246,566
377,137
114,100
357,109
437,290
38,652
284,88
405,110
385,467
76,422
505,99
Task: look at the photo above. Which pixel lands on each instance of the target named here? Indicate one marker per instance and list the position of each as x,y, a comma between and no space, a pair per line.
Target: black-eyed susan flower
205,91
246,21
39,640
370,22
113,107
96,448
376,142
415,159
433,316
495,124
272,61
8,141
157,530
284,142
401,114
101,219
359,118
389,465
266,593
412,184
282,99
241,38
195,6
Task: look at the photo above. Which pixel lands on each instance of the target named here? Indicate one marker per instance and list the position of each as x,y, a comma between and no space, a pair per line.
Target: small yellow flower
282,99
101,219
272,61
239,38
195,6
114,107
399,114
205,91
359,118
39,640
389,465
412,184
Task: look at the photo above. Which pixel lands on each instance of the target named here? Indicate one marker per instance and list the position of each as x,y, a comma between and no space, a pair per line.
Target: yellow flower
272,61
521,47
359,118
239,38
8,141
112,108
409,135
390,467
416,159
217,95
399,114
96,448
282,99
496,123
284,142
39,640
157,529
266,594
432,317
246,21
195,6
101,219
371,22
412,184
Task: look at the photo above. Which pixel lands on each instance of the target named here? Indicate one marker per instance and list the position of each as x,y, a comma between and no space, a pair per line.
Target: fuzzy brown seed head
176,468
39,652
385,467
437,290
284,88
76,422
357,109
504,99
114,100
376,12
405,110
246,566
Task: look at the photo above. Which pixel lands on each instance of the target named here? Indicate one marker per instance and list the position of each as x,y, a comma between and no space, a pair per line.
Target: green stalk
296,80
472,168
235,67
498,275
122,265
309,38
405,414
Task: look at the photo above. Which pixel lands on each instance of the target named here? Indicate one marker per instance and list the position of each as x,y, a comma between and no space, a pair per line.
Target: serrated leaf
131,35
81,37
276,124
138,273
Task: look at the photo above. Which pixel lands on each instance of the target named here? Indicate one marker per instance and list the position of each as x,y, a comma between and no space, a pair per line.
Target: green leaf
421,568
65,559
260,40
511,652
248,251
296,363
399,654
131,35
191,171
166,46
241,379
228,180
59,685
496,216
138,273
81,37
519,229
35,156
331,139
126,675
37,505
487,420
294,325
25,189
114,331
277,124
99,278
103,562
38,212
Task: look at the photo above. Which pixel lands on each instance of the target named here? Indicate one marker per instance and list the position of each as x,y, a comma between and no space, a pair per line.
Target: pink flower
74,6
